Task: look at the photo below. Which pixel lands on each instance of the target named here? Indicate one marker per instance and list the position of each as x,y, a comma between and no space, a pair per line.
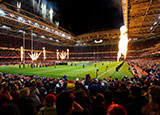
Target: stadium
80,57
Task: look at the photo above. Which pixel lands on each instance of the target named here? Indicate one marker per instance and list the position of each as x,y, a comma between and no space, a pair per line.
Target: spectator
15,93
136,101
110,107
49,106
5,96
97,105
34,92
10,109
65,105
26,106
153,107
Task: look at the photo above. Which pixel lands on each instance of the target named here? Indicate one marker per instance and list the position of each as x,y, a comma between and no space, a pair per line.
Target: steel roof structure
141,17
15,21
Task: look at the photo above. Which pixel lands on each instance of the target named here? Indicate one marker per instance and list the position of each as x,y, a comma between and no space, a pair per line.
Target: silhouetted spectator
136,101
10,109
26,106
153,107
49,106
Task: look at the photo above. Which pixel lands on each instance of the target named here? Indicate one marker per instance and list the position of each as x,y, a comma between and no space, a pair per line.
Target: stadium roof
140,16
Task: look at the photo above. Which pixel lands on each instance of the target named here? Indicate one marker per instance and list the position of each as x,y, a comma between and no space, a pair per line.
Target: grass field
72,72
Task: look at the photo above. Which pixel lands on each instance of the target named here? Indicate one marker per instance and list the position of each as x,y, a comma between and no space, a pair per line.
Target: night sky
82,16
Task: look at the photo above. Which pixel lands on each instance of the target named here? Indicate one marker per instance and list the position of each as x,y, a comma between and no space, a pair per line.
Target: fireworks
63,54
34,56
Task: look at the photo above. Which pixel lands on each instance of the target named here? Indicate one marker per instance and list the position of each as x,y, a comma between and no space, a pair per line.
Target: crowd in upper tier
32,95
16,42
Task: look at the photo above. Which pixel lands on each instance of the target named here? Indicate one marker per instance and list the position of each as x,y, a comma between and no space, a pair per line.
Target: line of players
39,65
36,65
95,65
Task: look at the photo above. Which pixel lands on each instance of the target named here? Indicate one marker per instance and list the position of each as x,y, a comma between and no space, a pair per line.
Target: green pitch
73,72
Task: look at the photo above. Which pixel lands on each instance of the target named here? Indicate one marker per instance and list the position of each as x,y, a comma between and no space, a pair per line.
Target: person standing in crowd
34,92
5,96
153,107
110,107
65,105
137,101
25,104
49,105
15,93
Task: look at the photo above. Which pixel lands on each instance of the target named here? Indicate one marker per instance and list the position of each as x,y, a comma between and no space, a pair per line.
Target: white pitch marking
106,72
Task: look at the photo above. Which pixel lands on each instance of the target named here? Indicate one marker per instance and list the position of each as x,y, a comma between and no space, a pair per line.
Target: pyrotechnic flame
67,53
34,56
63,55
44,53
22,53
123,43
57,54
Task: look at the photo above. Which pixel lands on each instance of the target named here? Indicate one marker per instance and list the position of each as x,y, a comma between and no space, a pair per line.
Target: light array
155,24
98,42
21,19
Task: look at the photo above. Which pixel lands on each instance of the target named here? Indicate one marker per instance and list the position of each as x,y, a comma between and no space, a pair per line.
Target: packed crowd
76,53
17,42
32,95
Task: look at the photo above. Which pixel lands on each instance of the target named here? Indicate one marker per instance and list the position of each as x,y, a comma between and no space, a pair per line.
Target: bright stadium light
155,23
20,19
151,28
6,27
56,32
29,22
69,37
57,40
97,42
2,12
50,38
135,38
42,37
47,28
84,44
63,35
21,31
76,44
33,34
11,15
36,24
43,27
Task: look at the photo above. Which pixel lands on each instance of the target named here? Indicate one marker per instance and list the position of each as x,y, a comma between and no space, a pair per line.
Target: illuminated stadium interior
88,57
